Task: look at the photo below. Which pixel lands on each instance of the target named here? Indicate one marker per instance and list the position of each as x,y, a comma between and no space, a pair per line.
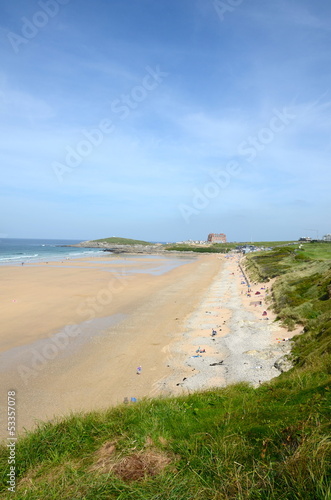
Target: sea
15,251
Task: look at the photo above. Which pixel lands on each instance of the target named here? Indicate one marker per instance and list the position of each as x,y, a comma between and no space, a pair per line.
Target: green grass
121,241
301,295
283,259
269,244
273,442
215,248
320,251
222,247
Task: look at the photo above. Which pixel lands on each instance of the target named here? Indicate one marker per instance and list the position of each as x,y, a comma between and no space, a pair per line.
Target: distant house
327,237
216,238
305,238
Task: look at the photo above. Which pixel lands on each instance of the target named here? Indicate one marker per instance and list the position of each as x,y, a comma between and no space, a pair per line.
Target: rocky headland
155,248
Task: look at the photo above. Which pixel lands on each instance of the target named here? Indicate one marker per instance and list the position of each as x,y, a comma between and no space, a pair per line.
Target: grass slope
215,248
222,247
121,241
272,442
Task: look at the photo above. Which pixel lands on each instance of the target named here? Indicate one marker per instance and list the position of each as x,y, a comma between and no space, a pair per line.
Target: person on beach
139,370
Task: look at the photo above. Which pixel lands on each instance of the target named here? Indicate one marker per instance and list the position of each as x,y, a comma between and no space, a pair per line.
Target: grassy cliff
272,442
301,295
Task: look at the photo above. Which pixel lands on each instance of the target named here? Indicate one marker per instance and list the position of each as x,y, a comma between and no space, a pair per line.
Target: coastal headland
74,333
123,245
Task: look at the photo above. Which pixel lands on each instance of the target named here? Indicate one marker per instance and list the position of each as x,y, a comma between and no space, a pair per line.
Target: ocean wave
47,255
20,257
86,252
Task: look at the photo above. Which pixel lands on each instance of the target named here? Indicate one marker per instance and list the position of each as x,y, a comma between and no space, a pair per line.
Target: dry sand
246,346
74,333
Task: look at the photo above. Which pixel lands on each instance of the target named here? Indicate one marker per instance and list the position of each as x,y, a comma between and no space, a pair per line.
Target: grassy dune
272,442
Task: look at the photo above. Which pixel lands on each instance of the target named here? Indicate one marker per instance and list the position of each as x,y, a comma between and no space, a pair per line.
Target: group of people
250,292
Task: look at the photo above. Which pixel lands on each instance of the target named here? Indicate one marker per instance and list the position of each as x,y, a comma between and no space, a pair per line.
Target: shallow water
14,251
130,267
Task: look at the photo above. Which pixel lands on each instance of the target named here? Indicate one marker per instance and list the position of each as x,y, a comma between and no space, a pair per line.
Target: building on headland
216,238
305,238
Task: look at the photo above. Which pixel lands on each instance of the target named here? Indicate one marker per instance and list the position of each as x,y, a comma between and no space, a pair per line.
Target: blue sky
165,119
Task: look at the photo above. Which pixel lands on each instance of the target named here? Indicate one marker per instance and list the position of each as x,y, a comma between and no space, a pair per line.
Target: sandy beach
74,333
232,336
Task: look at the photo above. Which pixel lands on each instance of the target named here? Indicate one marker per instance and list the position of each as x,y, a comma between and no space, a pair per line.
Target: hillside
114,240
272,442
121,245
